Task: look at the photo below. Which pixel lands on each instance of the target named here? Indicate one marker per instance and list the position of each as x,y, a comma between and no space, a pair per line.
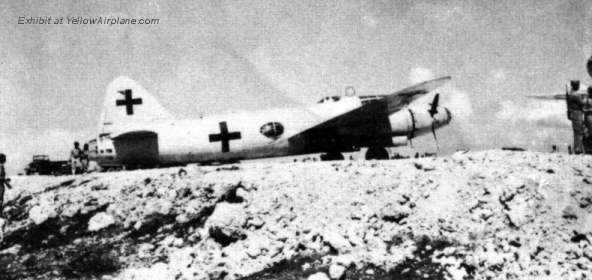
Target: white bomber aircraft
145,134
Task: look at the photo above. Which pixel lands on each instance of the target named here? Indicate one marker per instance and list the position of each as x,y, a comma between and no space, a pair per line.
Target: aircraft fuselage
255,134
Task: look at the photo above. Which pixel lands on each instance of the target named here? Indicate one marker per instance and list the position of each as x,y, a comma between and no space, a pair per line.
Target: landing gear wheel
376,153
331,156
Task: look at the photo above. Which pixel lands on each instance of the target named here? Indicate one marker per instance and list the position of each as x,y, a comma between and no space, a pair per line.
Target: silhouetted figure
587,111
576,115
579,111
75,158
84,157
4,182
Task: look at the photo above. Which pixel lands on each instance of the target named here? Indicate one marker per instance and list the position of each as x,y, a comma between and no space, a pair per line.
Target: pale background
206,57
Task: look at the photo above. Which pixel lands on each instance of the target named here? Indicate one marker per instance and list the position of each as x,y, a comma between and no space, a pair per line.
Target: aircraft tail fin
127,102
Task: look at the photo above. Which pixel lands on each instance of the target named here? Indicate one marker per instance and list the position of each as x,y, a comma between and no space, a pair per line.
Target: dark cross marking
128,102
225,136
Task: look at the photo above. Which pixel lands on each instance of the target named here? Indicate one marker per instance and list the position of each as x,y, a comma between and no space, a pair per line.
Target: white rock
157,271
2,226
241,192
145,250
345,260
457,273
318,276
520,212
255,244
256,222
299,202
100,221
228,219
161,206
586,225
168,241
182,218
11,251
40,213
336,271
394,213
337,241
178,242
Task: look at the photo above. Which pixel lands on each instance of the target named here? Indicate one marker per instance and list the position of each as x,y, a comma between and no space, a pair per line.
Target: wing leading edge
404,97
364,123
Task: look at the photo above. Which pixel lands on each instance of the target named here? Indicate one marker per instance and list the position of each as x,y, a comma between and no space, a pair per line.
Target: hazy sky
206,57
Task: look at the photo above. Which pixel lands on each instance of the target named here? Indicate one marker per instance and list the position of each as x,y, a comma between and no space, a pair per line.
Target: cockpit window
334,98
272,130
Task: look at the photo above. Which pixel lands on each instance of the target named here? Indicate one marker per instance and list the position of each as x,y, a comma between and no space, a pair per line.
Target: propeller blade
433,111
435,138
434,105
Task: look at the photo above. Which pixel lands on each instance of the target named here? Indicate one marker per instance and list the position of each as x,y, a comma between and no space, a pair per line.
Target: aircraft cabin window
109,151
330,98
272,130
101,151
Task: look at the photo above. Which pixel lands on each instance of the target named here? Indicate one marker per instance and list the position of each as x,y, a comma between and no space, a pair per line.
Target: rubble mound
478,215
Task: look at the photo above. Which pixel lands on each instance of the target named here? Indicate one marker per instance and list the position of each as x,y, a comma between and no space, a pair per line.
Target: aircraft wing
548,97
365,122
404,97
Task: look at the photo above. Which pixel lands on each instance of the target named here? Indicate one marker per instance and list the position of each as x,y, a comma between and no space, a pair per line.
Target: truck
42,165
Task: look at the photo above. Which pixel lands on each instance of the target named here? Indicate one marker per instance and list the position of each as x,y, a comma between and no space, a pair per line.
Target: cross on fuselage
128,102
225,136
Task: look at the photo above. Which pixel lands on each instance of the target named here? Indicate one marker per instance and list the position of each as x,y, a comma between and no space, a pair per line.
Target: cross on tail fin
127,102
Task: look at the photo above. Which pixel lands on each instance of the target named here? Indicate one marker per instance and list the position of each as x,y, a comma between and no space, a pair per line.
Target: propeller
433,111
435,138
412,133
434,105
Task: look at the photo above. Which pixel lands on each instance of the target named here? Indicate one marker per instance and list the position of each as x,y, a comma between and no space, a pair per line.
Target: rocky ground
479,215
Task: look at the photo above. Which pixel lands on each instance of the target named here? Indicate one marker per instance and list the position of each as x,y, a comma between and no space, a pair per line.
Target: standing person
587,121
576,115
3,182
84,158
75,157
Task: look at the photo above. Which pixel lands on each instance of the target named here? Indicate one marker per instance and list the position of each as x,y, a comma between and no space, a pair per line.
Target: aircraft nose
444,117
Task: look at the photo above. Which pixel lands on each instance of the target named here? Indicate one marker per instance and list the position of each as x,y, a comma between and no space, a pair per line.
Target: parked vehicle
42,165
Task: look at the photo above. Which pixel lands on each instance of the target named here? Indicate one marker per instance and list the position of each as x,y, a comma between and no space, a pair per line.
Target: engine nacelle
413,122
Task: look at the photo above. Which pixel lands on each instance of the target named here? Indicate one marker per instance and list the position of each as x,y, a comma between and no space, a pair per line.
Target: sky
207,57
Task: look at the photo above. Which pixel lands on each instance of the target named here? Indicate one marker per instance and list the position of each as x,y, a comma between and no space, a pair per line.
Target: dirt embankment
477,215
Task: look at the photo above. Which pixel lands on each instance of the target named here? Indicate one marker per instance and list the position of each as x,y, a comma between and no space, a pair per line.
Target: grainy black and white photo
298,140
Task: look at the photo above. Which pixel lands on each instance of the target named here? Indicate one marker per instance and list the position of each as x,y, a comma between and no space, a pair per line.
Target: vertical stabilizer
127,102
